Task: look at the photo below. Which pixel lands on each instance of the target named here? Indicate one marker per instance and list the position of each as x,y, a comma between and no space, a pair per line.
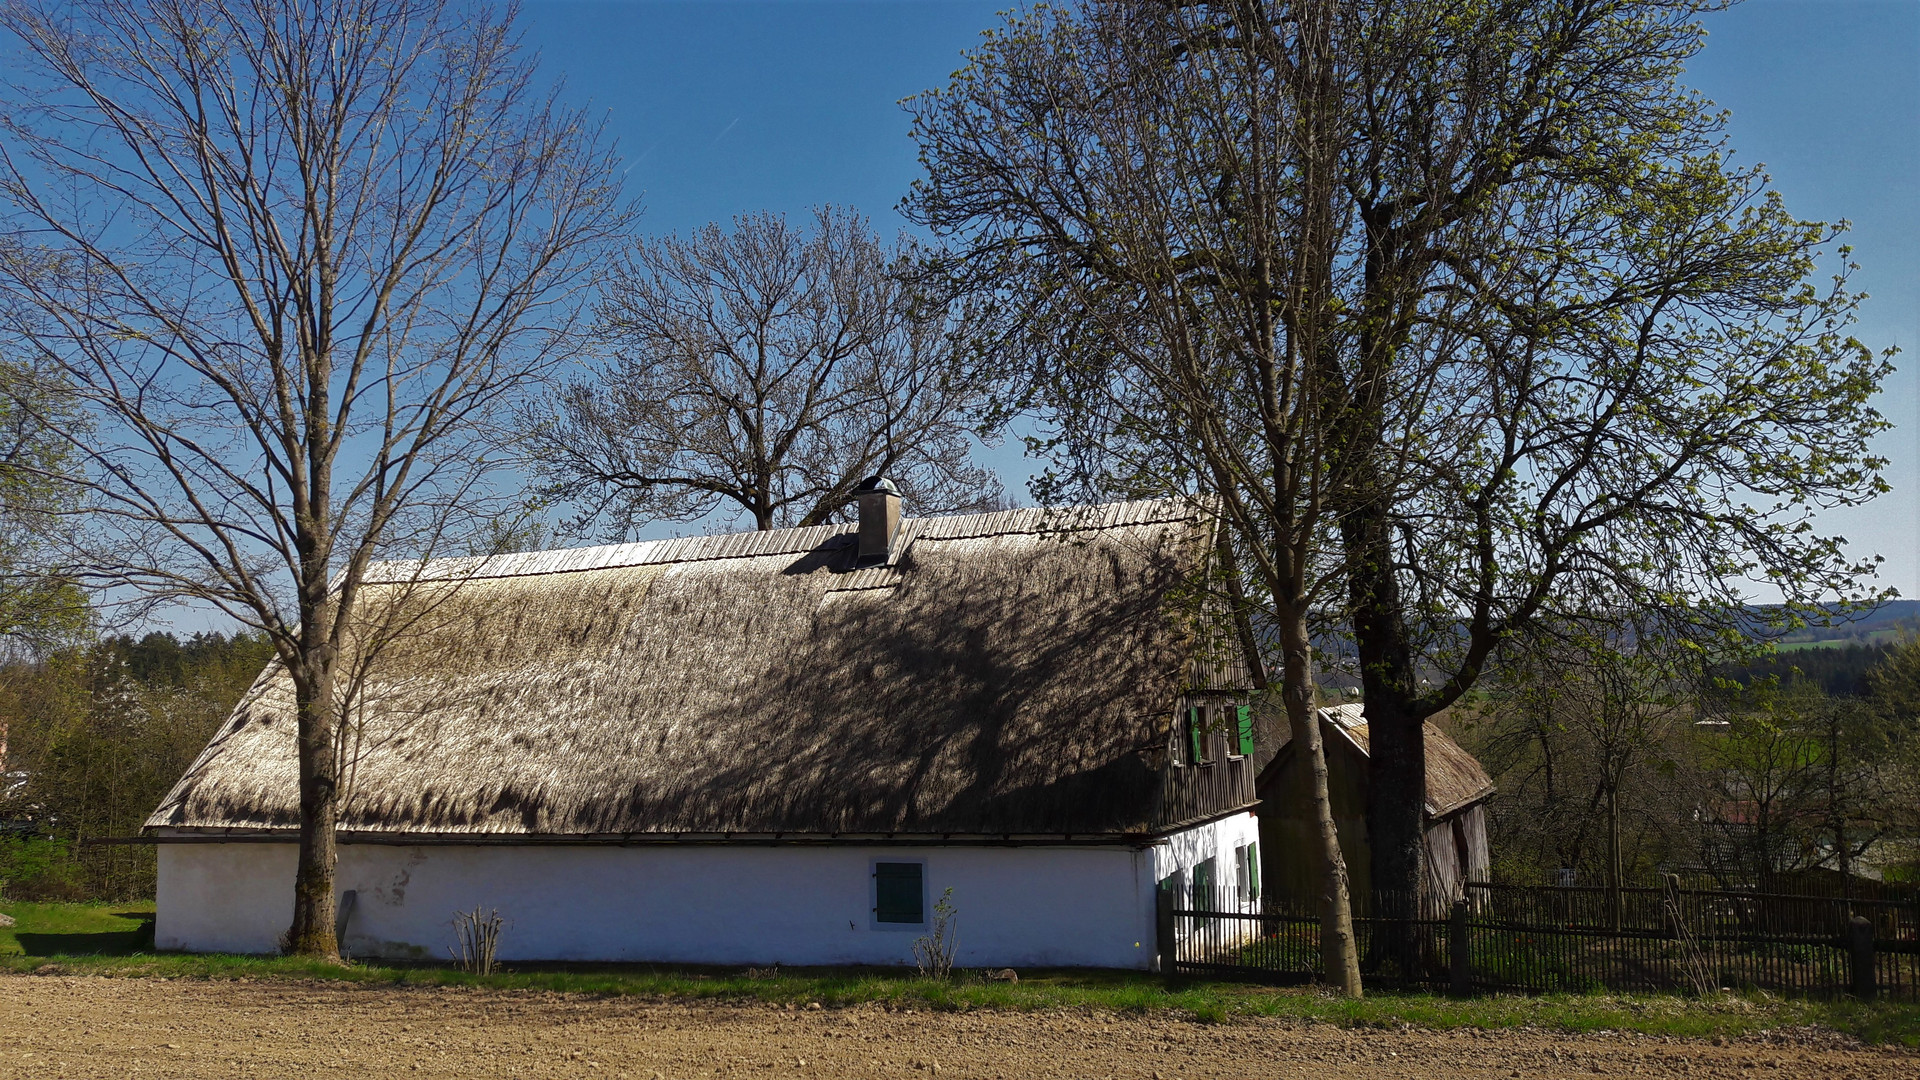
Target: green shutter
1194,736
1245,715
1203,894
897,895
1253,870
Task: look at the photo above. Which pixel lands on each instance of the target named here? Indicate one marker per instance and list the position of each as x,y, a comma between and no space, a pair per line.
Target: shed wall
708,904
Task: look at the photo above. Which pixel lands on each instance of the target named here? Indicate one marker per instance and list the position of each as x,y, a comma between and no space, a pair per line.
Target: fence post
1461,981
1163,928
1860,950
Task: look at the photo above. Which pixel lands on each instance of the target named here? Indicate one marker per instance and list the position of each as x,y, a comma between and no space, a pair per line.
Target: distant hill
1835,656
1885,624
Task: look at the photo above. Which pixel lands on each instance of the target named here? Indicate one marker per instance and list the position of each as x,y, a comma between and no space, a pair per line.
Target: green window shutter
1253,870
1245,716
1203,897
1195,735
897,895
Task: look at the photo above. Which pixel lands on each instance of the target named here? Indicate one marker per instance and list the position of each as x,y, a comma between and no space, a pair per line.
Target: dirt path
130,1029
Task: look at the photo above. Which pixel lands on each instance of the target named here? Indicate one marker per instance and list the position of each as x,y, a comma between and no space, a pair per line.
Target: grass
104,939
62,929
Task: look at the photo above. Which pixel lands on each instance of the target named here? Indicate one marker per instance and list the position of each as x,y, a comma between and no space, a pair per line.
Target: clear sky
727,106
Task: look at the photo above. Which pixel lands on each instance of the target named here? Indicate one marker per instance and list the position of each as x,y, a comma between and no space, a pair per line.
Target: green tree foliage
1794,779
1767,779
40,607
1839,670
1586,734
1572,359
98,735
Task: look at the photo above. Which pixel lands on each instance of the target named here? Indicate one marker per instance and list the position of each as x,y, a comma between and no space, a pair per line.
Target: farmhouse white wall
712,904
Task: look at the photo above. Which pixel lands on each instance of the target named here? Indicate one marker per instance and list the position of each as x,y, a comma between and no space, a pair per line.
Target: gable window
1240,739
1196,741
899,893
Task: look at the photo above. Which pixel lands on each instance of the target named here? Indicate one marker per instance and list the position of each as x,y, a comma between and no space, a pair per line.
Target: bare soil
129,1029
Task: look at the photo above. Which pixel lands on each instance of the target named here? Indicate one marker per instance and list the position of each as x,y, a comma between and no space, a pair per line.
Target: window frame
873,894
1240,740
1197,734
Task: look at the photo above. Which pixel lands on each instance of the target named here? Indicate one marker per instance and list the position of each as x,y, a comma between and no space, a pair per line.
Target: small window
1246,872
1253,870
1241,737
1204,897
1198,738
898,893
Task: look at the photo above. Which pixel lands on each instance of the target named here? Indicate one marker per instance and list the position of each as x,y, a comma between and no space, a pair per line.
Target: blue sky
727,106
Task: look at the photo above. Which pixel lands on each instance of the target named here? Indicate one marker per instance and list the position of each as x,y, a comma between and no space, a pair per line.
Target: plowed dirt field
131,1029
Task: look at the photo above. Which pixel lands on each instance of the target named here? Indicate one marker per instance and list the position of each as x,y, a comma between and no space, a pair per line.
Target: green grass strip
100,939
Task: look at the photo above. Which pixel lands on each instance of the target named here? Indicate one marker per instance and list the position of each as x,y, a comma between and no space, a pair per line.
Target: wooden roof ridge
1026,521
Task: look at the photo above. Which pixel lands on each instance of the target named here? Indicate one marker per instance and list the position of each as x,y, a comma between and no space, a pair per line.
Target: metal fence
1539,939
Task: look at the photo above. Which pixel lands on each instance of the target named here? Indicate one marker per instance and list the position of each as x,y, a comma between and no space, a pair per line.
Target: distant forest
91,738
1840,670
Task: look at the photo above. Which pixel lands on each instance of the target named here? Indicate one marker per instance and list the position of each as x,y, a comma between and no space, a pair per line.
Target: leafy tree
41,605
1570,361
764,370
1143,196
1587,733
101,732
292,260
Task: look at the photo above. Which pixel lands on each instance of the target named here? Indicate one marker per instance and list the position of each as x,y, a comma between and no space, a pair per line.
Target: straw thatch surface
1003,676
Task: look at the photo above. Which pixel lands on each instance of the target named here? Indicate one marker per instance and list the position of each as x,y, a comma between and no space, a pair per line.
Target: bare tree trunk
1339,954
313,903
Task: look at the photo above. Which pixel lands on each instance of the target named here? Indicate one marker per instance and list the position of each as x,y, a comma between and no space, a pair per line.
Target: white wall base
703,904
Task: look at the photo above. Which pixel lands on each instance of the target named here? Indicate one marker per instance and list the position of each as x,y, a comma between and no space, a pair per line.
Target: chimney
879,520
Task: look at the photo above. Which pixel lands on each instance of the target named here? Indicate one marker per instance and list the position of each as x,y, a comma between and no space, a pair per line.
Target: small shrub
933,952
478,938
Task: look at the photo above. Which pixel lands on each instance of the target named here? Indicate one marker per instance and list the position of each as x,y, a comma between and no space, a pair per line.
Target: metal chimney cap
876,483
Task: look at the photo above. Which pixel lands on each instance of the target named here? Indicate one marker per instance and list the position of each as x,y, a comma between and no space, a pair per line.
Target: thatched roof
1455,778
1002,676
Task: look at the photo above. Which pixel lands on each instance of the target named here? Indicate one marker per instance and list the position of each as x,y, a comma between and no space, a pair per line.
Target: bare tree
291,256
764,370
1588,726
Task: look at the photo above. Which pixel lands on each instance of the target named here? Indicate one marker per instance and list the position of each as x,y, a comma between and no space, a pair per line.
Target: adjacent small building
1456,813
763,748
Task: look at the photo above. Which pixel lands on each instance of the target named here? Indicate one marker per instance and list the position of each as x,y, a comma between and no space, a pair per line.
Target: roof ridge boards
763,543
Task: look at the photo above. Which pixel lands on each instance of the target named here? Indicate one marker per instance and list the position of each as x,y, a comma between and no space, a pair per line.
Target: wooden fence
1540,939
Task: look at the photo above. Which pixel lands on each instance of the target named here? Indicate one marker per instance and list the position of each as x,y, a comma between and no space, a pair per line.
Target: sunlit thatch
1003,676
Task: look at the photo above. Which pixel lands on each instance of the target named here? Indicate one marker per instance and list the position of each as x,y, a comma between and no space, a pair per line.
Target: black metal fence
1539,939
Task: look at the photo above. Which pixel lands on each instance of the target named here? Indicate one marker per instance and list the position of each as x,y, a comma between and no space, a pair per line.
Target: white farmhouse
763,748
